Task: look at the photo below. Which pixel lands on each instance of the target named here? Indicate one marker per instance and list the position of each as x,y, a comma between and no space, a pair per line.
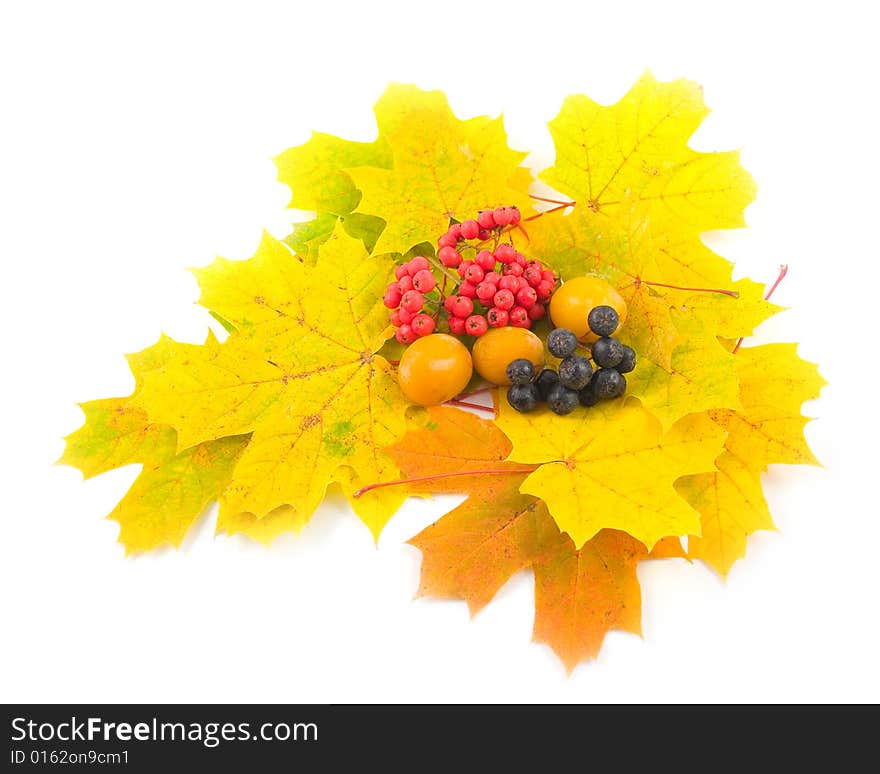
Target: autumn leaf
613,469
302,395
639,147
443,167
299,373
115,434
769,428
266,529
655,272
774,383
173,489
732,507
476,548
472,551
641,198
315,173
702,376
581,595
450,443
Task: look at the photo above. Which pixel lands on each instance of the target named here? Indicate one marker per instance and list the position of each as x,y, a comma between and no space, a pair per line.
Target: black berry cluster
576,381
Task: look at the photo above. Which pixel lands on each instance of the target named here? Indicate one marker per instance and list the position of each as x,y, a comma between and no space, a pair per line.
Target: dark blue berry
561,400
603,320
561,342
520,371
523,397
575,372
628,363
606,352
608,383
587,396
546,381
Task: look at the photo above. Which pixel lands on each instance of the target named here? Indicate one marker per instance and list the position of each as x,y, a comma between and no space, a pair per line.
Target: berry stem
437,476
441,290
442,269
783,270
731,293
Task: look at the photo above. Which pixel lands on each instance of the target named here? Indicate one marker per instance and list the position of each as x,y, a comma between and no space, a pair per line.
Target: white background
136,141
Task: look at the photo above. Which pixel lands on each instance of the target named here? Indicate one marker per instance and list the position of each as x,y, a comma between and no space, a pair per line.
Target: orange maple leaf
472,551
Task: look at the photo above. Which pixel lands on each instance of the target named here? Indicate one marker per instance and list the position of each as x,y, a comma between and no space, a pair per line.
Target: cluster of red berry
495,287
406,298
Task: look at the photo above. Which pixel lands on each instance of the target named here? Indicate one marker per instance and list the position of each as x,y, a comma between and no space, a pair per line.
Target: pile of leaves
302,394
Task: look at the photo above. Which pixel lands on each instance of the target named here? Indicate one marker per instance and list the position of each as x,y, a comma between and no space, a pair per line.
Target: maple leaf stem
496,238
467,404
437,476
551,201
783,270
560,206
478,391
723,291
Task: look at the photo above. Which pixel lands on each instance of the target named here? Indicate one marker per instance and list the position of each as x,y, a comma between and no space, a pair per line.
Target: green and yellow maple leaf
298,372
701,376
443,167
315,173
173,488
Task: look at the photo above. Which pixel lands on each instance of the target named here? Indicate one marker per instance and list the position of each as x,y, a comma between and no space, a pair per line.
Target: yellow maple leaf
299,373
732,507
638,147
641,198
265,529
774,382
443,167
614,469
655,271
173,488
